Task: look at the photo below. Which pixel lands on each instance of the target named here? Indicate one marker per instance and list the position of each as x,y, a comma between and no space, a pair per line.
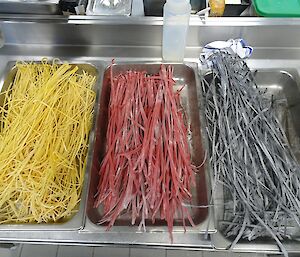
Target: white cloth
238,46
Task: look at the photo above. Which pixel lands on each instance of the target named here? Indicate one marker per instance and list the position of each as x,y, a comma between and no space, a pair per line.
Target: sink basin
281,87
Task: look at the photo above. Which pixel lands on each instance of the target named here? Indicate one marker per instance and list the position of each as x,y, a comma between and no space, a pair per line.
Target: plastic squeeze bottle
175,27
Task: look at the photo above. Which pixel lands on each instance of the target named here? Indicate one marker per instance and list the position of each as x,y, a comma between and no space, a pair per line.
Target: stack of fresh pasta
44,129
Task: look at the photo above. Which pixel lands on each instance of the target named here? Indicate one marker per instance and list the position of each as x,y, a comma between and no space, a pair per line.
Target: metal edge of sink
195,20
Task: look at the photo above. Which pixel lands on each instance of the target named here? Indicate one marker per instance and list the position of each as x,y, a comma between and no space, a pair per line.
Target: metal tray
282,88
183,75
76,221
30,7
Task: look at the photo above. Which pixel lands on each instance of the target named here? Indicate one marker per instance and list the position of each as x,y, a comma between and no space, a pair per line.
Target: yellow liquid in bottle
217,7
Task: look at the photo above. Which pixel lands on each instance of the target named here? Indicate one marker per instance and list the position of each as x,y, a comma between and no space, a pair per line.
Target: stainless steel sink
282,88
97,41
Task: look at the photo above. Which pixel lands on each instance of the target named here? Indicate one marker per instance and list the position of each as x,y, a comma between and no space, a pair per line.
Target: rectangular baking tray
76,221
183,75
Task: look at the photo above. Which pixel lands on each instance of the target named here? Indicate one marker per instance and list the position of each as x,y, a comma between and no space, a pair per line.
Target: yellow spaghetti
44,129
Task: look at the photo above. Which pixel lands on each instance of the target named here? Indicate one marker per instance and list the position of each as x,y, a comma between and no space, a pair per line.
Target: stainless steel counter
276,45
